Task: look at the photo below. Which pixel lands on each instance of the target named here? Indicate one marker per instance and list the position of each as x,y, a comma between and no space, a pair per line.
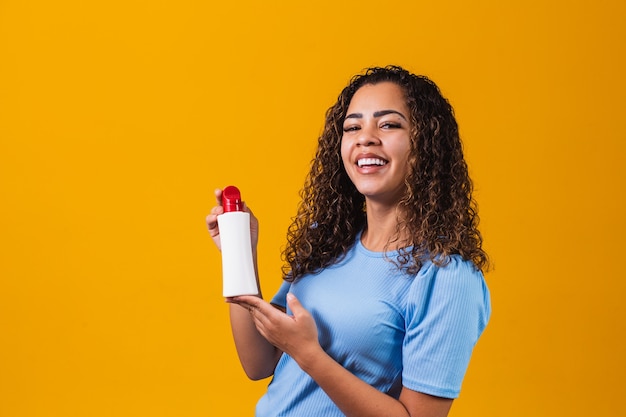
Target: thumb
294,305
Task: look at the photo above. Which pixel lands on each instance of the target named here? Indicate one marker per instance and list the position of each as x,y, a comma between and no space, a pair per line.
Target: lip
369,168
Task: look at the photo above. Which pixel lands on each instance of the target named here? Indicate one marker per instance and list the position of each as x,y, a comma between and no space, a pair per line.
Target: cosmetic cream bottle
237,264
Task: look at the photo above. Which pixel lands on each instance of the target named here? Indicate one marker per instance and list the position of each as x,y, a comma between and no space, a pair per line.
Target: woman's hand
214,231
295,335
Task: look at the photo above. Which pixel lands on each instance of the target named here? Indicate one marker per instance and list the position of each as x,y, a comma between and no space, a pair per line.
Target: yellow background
119,118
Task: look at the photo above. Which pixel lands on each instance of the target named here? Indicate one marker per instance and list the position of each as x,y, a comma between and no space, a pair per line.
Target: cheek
404,148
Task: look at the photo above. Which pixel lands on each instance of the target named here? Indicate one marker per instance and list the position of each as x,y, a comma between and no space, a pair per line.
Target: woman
384,298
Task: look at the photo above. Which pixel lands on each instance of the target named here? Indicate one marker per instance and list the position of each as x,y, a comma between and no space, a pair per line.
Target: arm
356,398
258,357
297,336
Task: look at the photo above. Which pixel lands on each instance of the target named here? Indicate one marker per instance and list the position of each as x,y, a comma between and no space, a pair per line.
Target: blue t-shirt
386,327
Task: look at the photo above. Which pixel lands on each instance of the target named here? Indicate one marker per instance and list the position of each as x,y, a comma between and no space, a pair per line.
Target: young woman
383,298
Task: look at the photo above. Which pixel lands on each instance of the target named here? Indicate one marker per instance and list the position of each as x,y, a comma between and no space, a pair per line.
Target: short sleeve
447,309
280,298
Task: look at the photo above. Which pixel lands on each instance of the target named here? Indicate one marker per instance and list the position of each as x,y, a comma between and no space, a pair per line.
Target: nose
368,136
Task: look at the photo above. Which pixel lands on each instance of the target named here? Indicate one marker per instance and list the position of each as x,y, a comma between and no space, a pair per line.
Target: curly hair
439,213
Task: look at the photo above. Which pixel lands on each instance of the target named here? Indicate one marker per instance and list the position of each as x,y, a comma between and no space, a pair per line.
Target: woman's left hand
294,334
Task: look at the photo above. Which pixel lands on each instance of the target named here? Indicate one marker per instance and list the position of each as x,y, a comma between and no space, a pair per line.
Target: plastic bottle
237,264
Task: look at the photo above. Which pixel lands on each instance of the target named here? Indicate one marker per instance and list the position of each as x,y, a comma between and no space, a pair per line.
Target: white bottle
237,264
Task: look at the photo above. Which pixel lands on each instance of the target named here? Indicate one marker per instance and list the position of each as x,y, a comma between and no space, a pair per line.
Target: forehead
384,95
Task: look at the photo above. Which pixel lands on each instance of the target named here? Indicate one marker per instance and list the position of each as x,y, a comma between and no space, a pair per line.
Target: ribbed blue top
388,328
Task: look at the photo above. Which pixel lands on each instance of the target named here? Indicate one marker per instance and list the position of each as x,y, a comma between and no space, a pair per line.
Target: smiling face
376,142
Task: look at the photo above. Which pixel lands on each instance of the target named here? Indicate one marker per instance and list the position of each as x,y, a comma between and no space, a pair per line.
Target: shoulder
455,286
453,265
455,273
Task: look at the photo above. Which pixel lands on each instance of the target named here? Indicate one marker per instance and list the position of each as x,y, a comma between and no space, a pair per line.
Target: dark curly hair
439,213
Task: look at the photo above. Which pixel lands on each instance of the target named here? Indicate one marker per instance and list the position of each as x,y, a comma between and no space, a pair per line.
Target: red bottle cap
231,199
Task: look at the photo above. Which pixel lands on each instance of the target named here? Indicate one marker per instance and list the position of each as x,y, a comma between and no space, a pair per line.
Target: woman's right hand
214,231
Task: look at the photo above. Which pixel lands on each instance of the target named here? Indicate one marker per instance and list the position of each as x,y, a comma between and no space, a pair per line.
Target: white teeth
370,161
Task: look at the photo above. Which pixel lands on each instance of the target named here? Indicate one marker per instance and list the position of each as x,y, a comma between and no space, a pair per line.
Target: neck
380,229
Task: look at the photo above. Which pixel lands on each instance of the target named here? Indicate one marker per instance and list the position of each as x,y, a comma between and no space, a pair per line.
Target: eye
351,128
390,125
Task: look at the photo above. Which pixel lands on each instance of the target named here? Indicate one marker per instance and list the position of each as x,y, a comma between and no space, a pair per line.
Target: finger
257,307
233,300
211,219
218,196
211,223
248,308
217,210
294,305
249,300
243,303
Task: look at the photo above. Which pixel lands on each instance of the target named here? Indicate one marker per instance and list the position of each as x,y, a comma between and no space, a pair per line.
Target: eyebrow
379,113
